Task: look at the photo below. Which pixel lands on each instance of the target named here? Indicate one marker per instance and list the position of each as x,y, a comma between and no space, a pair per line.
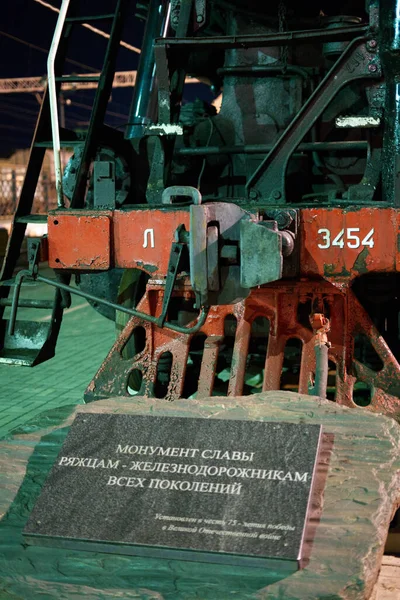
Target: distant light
217,103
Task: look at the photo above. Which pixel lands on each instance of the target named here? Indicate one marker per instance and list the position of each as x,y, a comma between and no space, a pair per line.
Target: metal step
78,78
31,219
63,143
28,303
29,345
90,18
11,283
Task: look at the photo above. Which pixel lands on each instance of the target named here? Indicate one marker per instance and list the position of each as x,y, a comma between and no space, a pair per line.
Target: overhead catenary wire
21,117
13,107
71,117
88,107
40,49
13,127
90,27
69,60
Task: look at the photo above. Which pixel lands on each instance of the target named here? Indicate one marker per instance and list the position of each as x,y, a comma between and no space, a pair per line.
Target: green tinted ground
84,341
39,398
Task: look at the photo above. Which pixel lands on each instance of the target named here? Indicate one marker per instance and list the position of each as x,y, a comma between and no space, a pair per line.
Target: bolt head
253,194
372,44
372,68
276,194
200,18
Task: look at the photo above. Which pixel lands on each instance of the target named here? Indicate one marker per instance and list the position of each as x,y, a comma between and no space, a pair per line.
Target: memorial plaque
229,491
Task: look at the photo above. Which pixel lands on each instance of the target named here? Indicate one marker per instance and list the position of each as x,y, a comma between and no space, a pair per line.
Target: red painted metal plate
335,243
79,241
143,238
346,243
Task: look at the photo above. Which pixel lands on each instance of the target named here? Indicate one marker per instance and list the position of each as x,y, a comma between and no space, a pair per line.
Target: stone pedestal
357,493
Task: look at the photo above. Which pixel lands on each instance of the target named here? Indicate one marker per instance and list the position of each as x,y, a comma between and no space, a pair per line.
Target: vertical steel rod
144,104
51,84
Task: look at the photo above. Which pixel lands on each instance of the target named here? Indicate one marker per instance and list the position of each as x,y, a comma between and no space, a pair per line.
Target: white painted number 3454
346,237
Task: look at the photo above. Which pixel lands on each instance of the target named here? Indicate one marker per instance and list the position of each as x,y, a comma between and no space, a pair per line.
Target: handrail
159,321
51,86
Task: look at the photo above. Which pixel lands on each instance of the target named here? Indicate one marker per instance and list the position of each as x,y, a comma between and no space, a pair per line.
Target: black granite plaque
216,490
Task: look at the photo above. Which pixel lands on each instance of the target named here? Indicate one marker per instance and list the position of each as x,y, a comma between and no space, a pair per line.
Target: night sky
34,24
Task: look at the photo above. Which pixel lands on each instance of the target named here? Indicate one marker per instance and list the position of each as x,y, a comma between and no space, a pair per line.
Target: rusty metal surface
336,246
79,241
349,257
143,238
138,239
280,304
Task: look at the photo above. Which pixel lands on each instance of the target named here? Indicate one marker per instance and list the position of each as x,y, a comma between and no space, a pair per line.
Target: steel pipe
265,148
144,104
129,311
321,370
51,85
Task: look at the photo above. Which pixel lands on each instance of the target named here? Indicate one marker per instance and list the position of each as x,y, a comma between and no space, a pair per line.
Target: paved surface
84,341
388,585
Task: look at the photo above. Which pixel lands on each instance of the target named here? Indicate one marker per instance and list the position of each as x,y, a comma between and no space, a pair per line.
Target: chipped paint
79,241
147,267
331,270
360,264
353,252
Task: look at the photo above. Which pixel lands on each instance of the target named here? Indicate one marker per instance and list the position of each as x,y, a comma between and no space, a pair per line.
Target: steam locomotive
224,240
